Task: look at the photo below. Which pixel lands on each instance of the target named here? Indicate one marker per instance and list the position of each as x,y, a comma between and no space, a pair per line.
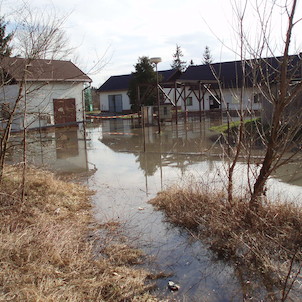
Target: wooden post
175,99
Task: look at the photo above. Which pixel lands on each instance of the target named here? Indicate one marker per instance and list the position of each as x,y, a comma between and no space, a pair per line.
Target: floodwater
127,166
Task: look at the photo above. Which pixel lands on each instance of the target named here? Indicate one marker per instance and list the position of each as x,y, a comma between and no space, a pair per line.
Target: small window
214,102
165,111
189,101
5,110
235,99
257,98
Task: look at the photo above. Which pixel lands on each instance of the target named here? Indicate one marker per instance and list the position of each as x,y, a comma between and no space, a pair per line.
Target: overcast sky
118,32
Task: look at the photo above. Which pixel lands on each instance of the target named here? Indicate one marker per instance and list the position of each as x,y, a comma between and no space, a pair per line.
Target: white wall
229,96
8,95
104,100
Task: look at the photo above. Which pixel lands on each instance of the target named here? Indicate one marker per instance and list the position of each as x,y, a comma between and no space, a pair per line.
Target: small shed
47,92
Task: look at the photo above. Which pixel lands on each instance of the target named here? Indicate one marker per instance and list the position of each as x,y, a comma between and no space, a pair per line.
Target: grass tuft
269,245
47,252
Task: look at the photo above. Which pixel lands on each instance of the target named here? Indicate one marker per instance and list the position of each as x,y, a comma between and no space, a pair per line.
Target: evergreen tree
144,77
177,62
5,49
207,57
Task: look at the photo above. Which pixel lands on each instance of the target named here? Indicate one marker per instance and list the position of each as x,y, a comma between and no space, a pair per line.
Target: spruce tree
144,77
177,62
207,57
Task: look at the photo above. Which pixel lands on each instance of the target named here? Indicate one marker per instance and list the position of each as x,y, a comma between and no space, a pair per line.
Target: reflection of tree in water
148,162
179,148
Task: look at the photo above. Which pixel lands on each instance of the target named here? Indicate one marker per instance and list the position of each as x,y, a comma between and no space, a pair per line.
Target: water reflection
173,157
182,147
129,167
61,150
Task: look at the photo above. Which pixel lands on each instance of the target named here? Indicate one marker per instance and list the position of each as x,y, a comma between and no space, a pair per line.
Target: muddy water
127,166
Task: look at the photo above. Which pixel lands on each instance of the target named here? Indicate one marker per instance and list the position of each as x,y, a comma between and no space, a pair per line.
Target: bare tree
38,36
283,96
234,153
276,81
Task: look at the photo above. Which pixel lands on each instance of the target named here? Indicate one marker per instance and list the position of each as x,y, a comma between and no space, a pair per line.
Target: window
4,110
257,98
214,102
189,101
235,99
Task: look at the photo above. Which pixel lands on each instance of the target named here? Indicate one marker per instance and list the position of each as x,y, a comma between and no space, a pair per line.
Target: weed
45,253
267,244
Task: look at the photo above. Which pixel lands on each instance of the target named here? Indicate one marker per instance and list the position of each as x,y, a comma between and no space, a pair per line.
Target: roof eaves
113,90
55,80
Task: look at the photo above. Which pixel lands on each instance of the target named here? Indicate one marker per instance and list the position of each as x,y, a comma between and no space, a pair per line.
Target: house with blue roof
113,93
222,86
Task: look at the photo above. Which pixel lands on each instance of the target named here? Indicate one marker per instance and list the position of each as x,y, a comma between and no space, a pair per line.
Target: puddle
127,169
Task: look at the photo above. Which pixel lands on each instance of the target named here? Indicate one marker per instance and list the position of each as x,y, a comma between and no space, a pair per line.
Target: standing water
128,167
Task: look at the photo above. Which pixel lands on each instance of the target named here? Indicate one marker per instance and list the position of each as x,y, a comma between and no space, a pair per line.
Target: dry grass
48,249
268,245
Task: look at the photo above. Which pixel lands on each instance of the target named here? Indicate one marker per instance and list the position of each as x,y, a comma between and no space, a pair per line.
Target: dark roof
230,74
42,70
121,82
169,75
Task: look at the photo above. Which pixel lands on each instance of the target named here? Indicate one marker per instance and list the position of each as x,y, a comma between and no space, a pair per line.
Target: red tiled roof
42,70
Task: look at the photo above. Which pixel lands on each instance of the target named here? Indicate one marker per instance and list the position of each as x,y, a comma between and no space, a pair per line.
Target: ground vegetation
266,253
53,250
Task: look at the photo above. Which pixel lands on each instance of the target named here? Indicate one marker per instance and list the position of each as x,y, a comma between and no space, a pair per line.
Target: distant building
113,93
211,87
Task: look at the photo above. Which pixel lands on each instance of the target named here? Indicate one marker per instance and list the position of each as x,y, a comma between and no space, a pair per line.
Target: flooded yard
127,167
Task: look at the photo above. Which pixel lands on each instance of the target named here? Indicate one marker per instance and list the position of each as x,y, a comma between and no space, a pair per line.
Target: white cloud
124,30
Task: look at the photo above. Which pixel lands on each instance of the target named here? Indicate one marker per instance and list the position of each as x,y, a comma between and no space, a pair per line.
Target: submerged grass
48,250
233,125
269,247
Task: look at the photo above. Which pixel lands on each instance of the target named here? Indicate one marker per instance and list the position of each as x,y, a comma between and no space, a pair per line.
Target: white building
212,87
113,93
44,92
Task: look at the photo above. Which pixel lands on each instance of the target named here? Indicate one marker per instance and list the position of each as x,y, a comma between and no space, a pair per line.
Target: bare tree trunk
24,147
241,113
278,112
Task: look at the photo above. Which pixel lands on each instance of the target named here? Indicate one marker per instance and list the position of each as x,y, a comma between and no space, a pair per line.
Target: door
64,111
115,103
